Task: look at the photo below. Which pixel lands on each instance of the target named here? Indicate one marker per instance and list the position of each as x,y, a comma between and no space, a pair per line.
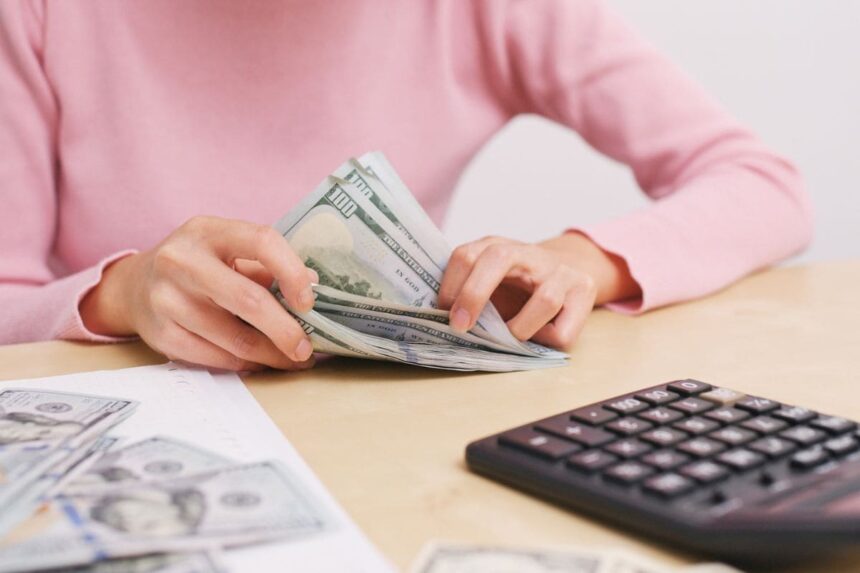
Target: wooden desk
388,440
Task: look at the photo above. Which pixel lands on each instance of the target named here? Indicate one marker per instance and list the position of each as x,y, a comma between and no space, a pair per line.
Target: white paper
218,413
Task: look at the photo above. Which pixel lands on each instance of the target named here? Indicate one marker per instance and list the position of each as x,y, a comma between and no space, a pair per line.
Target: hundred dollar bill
155,459
370,240
39,432
227,507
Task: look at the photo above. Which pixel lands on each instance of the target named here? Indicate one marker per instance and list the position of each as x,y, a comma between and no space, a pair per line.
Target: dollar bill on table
44,434
448,557
227,507
380,261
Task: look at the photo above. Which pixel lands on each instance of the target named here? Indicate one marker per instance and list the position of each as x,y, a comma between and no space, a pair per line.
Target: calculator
738,477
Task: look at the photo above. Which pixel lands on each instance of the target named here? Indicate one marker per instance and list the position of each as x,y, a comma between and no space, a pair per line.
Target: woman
121,123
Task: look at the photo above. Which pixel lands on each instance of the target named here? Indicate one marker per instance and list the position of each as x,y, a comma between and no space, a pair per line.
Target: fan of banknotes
380,261
72,500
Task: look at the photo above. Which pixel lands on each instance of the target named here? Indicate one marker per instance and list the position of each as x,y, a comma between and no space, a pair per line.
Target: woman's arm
724,204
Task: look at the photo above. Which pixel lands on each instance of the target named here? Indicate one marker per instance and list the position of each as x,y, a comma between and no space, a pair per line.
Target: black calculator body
737,477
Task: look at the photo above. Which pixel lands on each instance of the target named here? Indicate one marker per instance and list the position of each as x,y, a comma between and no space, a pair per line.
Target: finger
223,329
489,270
254,304
233,240
564,330
460,266
177,343
542,306
255,271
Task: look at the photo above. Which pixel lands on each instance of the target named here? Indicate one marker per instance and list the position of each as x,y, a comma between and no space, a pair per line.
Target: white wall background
790,69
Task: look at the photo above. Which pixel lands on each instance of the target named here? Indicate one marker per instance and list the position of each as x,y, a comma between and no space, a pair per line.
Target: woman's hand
545,291
201,296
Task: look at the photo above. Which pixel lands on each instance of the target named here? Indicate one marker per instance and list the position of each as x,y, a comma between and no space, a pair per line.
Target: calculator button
665,459
772,446
628,473
629,448
833,424
794,414
701,447
688,387
593,415
803,435
741,459
692,405
810,458
661,415
585,435
668,485
627,405
657,397
728,415
538,444
764,425
733,436
722,396
757,405
663,436
705,471
591,460
696,425
628,426
842,445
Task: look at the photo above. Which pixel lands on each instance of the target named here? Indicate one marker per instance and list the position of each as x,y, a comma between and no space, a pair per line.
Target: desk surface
388,440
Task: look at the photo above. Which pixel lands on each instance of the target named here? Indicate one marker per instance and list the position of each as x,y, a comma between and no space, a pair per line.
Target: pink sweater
120,120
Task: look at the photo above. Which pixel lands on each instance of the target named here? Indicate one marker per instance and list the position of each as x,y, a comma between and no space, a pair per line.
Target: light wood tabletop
388,440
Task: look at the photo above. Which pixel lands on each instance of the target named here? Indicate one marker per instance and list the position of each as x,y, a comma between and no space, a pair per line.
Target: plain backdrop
789,69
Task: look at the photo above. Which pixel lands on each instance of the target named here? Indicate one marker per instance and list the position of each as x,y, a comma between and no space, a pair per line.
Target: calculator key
833,424
628,426
593,415
688,387
661,415
585,435
701,447
696,425
627,405
728,415
628,473
810,458
692,405
841,446
733,436
722,396
764,425
803,435
629,448
591,460
705,471
772,446
663,436
668,485
537,444
757,405
657,397
794,414
741,459
665,459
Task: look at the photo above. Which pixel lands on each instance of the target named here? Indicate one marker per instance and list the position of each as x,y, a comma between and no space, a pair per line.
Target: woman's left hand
544,291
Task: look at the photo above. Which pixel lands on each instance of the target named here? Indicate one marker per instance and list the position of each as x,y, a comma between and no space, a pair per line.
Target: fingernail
306,299
315,278
461,320
303,350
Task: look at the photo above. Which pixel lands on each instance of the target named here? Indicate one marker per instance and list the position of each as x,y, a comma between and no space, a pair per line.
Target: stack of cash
380,261
73,500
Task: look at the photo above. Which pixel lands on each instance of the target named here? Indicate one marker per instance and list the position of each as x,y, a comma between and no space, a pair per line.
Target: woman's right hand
201,296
